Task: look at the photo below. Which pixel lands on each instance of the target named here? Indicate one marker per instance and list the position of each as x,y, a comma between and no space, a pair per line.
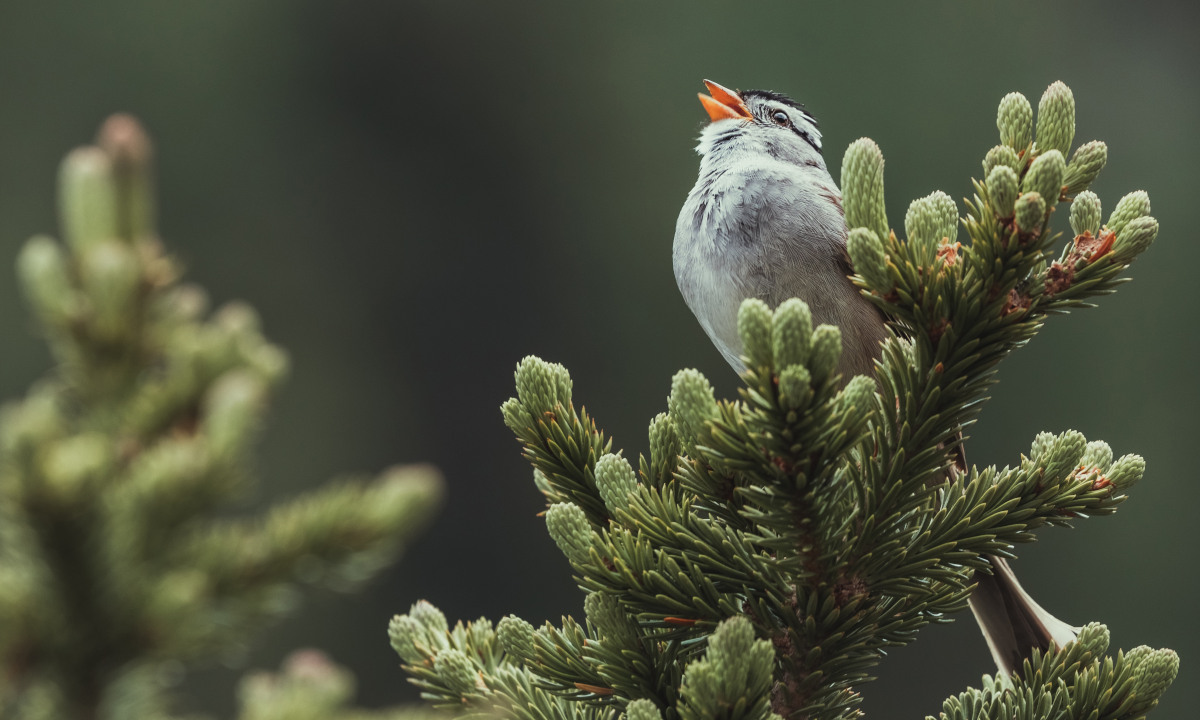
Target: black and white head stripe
811,133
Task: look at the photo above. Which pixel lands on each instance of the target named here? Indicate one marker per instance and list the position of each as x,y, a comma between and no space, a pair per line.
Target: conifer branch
771,548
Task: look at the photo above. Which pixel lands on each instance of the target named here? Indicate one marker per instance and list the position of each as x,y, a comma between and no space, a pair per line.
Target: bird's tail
1011,621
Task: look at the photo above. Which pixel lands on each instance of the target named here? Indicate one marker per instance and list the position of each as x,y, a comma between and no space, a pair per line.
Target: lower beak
724,103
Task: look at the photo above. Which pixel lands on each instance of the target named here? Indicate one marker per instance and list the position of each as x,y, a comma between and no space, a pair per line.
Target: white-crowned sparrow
765,221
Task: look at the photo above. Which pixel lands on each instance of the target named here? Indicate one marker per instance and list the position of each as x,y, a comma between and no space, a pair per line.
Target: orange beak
724,103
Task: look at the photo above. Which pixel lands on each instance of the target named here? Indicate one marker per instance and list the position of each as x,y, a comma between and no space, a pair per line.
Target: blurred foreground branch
114,560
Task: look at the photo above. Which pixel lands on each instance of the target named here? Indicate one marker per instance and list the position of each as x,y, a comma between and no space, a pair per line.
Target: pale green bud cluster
233,410
929,221
516,417
569,528
1134,205
869,259
791,333
605,613
616,480
42,270
516,637
795,386
74,466
664,443
826,351
1045,177
1001,155
857,397
1094,638
1030,212
642,709
1097,454
456,670
736,669
862,187
1056,119
1126,471
542,386
1014,119
310,686
691,403
1063,457
1002,187
754,329
1086,163
1153,670
418,635
87,198
1085,213
1137,235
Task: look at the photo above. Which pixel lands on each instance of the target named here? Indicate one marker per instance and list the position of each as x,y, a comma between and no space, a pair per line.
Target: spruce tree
117,565
766,551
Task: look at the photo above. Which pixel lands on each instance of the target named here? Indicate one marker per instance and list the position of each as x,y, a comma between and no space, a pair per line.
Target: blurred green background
416,194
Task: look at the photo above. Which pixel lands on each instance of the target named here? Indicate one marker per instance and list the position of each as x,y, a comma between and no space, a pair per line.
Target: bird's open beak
724,103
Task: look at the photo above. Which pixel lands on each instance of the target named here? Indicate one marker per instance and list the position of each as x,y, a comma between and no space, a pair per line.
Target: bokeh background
416,194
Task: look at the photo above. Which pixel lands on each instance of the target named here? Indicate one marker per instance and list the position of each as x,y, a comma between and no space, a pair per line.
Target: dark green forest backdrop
416,194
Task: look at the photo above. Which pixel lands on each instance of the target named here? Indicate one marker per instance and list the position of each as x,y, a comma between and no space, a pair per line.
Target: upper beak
724,103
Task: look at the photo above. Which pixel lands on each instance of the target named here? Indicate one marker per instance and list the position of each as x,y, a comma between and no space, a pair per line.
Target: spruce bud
1093,638
1085,213
615,480
1014,119
1042,444
1045,177
569,527
866,252
233,407
516,637
1097,454
516,417
1030,212
1086,163
795,386
406,635
430,618
826,351
1002,190
1064,456
691,403
1001,155
1134,205
606,614
87,197
791,333
1135,237
857,397
1155,673
456,671
664,447
42,268
1056,118
1126,471
111,276
862,187
929,220
131,152
541,386
642,709
754,329
76,464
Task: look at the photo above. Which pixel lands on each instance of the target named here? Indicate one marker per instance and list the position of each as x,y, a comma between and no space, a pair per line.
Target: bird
765,220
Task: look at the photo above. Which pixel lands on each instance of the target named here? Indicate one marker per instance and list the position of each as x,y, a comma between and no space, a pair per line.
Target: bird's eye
781,118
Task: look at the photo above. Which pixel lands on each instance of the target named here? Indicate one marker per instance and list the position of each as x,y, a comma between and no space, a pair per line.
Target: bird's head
758,121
